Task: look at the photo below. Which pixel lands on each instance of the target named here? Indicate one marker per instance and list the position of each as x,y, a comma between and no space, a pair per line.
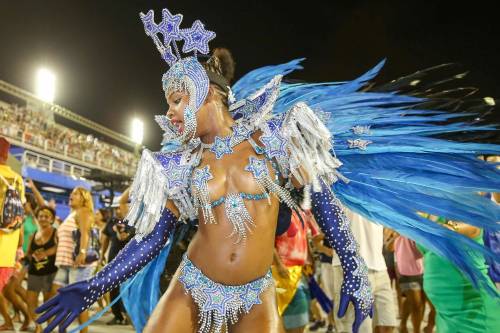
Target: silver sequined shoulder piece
298,141
160,177
177,168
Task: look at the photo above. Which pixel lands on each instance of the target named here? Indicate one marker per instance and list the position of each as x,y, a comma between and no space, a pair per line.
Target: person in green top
460,307
29,223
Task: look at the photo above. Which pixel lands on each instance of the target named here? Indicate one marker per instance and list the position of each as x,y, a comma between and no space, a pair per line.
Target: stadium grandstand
59,149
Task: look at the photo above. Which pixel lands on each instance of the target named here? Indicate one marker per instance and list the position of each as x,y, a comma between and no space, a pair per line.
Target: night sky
108,70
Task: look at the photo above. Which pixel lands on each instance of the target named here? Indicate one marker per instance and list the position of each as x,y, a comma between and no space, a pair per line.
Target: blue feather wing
401,166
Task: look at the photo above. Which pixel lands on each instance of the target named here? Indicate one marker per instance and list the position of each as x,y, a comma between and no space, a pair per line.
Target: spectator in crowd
370,237
117,234
290,256
14,286
101,219
460,307
34,128
41,253
8,294
29,223
39,201
325,257
14,291
388,251
410,269
73,268
10,240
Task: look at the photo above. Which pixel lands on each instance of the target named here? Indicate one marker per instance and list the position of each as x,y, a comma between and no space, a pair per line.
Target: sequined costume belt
220,305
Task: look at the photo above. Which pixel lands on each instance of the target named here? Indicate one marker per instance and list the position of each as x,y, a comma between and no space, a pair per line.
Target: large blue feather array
405,168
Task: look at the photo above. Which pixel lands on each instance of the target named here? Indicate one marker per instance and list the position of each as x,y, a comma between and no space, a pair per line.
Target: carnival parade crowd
413,288
35,128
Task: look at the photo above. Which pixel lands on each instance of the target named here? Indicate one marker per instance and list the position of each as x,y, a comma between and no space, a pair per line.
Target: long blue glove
79,296
330,216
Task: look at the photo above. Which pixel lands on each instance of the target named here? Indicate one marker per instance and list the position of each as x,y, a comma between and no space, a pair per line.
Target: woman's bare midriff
211,249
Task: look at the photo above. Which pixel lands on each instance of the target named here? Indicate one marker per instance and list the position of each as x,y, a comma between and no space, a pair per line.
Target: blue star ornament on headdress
170,26
149,24
186,73
196,38
152,29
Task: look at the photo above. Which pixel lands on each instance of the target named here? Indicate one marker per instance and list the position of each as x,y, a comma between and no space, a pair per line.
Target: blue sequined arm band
132,258
330,216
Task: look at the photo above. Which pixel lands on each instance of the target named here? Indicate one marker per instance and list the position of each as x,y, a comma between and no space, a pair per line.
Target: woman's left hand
80,259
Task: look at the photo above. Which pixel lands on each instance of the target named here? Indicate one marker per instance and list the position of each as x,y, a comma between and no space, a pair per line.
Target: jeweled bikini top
234,203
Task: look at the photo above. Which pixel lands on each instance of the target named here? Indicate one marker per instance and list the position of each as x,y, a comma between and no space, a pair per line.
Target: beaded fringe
149,194
309,147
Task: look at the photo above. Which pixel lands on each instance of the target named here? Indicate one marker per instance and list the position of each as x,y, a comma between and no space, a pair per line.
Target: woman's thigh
175,312
262,318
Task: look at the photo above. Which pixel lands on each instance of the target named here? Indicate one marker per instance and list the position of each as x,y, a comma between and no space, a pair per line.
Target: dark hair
50,209
220,68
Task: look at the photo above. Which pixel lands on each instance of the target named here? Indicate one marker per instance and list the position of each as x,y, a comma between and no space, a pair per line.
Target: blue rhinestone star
149,24
201,176
170,26
275,145
251,296
196,38
221,147
248,109
167,55
256,166
217,299
240,132
165,159
176,173
189,277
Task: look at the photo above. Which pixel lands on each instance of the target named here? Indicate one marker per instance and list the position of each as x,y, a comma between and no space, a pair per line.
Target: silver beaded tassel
258,168
200,193
238,216
217,320
284,195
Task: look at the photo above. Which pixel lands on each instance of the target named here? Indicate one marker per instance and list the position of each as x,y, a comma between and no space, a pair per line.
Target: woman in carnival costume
238,160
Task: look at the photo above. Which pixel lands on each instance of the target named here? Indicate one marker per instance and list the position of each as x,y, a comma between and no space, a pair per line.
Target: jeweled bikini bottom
220,305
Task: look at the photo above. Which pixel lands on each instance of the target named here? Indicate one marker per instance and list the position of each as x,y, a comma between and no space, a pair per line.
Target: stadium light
137,131
45,85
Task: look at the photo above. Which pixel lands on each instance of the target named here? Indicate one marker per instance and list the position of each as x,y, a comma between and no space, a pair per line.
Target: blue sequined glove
76,298
330,216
